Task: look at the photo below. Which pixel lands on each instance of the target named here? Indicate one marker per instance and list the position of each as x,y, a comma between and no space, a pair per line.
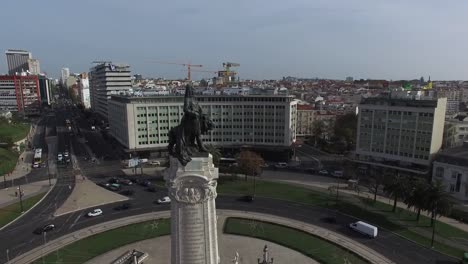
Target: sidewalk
7,196
343,241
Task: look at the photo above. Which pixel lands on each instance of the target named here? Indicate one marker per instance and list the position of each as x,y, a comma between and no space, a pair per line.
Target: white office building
401,133
65,75
106,79
143,123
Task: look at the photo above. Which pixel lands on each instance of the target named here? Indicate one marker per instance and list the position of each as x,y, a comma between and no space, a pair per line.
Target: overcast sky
389,39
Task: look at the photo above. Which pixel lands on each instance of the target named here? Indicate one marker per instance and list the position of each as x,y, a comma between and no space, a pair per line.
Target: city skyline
326,39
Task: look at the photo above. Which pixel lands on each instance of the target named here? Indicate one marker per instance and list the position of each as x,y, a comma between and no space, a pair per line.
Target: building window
439,172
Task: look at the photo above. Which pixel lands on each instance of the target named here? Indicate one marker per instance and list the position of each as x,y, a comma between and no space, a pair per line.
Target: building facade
451,167
17,61
143,123
45,89
83,82
400,133
34,67
26,93
107,79
305,119
64,75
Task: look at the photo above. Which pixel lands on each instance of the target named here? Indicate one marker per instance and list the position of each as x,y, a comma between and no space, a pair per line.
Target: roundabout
61,249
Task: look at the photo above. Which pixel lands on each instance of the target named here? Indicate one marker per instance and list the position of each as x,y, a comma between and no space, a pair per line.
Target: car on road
46,228
246,198
323,172
337,173
114,187
95,212
122,207
66,154
164,200
59,157
281,165
364,228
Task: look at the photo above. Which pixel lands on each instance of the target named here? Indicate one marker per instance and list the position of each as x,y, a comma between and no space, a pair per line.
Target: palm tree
397,188
417,196
439,201
214,151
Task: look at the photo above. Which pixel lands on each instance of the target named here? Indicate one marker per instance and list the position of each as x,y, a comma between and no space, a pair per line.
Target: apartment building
401,132
143,123
305,119
106,79
20,94
455,132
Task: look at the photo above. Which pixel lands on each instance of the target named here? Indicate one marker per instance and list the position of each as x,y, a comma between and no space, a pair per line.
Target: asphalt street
19,237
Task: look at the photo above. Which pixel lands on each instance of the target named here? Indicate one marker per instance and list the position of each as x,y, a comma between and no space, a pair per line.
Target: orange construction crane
188,65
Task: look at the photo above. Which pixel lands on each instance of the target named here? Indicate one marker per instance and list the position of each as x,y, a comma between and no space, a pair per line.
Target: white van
364,228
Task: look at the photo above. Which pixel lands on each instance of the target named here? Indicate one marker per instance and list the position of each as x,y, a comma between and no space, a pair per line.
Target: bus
37,158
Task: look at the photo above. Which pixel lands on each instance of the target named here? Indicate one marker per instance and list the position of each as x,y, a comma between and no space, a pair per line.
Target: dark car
151,189
311,170
103,184
127,192
126,182
43,229
145,183
246,198
124,206
114,180
114,187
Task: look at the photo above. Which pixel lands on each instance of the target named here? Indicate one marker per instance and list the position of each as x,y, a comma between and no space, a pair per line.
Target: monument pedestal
192,190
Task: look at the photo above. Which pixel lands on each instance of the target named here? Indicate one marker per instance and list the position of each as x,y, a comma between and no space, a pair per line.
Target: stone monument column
192,190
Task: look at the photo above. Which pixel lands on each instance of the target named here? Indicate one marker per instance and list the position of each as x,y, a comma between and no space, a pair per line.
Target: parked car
103,184
323,172
59,157
126,182
66,154
364,228
164,200
114,187
155,163
114,180
311,170
124,206
95,212
46,228
337,173
127,192
145,183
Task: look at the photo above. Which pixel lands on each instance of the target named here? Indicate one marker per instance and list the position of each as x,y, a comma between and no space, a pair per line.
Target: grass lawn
403,222
16,131
8,161
93,246
12,211
309,245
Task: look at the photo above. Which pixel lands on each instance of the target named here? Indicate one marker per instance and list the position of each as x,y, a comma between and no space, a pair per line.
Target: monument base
192,190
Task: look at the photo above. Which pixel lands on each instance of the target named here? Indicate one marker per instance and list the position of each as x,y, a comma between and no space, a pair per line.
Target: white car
95,212
164,200
66,154
59,157
281,165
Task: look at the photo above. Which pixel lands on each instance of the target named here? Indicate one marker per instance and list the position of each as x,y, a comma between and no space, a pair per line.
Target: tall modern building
106,79
20,94
65,75
34,67
83,83
17,61
400,132
143,123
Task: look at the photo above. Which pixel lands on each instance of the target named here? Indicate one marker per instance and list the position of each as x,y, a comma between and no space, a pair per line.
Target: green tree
417,196
396,189
318,130
376,181
214,151
250,163
439,202
345,129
